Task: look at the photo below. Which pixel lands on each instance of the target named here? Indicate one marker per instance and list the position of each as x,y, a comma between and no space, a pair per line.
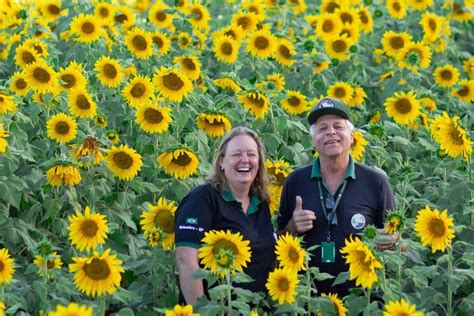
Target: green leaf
341,278
125,312
242,278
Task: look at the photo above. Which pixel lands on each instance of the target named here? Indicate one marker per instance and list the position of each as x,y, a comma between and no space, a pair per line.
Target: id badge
328,252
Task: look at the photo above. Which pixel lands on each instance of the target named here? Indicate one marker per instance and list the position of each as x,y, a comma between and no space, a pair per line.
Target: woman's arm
187,260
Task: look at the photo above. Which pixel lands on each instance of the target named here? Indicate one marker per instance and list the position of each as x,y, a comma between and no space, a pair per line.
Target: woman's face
240,161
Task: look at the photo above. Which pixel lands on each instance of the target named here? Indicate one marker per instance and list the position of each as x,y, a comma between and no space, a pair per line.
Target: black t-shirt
365,200
205,209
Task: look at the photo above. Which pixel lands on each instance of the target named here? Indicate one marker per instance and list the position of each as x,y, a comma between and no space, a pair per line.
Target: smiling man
334,197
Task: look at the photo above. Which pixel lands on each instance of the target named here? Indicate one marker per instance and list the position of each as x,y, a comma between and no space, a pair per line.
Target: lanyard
331,215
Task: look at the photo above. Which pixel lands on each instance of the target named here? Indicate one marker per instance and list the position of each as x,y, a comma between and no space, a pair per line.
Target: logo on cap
326,104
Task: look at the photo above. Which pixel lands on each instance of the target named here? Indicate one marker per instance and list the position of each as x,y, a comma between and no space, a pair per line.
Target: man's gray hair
349,125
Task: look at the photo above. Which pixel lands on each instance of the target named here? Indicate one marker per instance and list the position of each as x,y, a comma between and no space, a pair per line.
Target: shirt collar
253,205
350,172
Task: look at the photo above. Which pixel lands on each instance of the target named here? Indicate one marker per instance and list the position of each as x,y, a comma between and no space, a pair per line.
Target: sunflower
179,310
275,191
98,274
38,45
198,15
234,32
88,230
255,102
338,47
428,103
172,84
394,222
160,16
2,308
328,25
338,304
138,91
226,49
100,120
40,76
432,26
86,27
51,10
73,309
281,285
58,174
340,90
222,250
446,76
25,55
468,66
7,104
329,6
397,9
403,107
53,262
19,84
124,16
246,21
3,143
358,96
466,91
278,171
435,229
124,162
277,80
189,65
184,40
105,12
6,267
153,119
414,55
62,128
393,42
459,12
139,43
362,262
348,15
284,52
81,104
298,6
227,83
180,163
113,137
213,124
290,253
161,41
262,44
399,308
256,8
72,77
351,32
358,146
90,149
160,218
108,71
295,103
366,20
419,5
452,137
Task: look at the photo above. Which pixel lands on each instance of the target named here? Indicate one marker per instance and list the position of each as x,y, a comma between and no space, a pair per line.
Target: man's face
331,136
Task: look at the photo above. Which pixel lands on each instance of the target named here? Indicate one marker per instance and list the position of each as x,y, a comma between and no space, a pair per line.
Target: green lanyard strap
331,215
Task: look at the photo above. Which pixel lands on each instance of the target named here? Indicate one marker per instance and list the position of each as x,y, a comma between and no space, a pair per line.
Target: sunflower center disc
464,91
188,63
457,9
121,18
98,269
123,160
104,12
446,74
293,255
82,102
215,122
20,84
41,75
88,28
244,22
139,42
294,101
346,18
433,25
28,57
89,228
231,33
284,51
283,284
226,48
397,42
2,266
110,71
38,49
158,41
340,92
328,26
224,244
339,46
50,264
363,17
455,135
261,42
403,106
161,16
365,262
138,90
437,227
53,9
165,221
173,82
197,14
62,128
70,80
153,116
257,101
396,6
182,160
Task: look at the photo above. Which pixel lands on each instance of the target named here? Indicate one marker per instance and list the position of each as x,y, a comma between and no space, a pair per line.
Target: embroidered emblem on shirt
191,221
358,221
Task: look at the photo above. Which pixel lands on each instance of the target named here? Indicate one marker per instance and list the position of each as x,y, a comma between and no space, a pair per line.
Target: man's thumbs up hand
302,220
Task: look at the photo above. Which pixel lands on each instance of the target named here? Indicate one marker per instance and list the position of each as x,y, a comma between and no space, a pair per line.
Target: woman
235,198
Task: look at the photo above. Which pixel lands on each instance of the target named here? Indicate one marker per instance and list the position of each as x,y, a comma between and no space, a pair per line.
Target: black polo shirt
205,209
365,200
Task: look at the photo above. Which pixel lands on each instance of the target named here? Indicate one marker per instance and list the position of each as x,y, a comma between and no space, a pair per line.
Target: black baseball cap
328,106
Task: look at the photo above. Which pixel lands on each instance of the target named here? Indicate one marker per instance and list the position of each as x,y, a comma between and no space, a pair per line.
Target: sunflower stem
102,305
367,308
308,276
155,264
229,291
450,290
45,281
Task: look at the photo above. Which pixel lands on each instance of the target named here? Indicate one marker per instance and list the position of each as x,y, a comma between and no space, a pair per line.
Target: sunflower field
111,112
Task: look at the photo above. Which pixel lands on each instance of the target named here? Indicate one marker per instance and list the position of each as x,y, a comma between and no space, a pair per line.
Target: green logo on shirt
191,220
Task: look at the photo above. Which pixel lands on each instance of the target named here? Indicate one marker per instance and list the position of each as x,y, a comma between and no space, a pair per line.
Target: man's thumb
299,203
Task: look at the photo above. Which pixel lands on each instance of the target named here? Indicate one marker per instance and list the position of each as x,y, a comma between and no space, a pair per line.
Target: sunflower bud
370,232
308,46
334,61
353,49
395,221
377,130
378,13
225,258
44,248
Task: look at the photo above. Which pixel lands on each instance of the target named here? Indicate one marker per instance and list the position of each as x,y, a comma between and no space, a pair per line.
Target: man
333,198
